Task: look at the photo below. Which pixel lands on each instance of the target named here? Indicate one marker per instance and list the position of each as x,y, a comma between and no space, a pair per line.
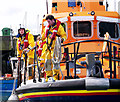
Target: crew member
39,45
51,31
25,42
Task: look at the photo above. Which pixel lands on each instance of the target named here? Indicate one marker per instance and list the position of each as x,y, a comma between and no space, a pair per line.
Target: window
82,29
71,3
111,28
100,2
54,4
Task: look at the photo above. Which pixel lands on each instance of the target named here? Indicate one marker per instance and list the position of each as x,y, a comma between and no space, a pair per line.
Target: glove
25,51
62,40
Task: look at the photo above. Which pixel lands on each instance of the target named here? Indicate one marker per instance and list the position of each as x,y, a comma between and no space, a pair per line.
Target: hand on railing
25,51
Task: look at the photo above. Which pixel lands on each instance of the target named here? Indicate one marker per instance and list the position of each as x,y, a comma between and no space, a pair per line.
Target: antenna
114,5
47,5
106,5
38,27
20,25
25,20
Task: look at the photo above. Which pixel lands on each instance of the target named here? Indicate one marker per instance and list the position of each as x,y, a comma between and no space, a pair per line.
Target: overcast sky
27,12
15,12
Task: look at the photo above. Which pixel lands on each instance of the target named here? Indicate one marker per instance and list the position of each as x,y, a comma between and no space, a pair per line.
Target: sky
25,12
28,13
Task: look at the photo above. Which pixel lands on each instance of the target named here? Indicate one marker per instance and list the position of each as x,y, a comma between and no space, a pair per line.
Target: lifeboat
90,65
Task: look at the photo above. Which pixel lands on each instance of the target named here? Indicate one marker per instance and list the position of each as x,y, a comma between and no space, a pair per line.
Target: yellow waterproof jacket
31,44
60,33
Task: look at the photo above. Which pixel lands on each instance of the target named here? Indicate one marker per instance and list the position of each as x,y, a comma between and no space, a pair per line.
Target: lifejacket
26,40
55,29
19,44
25,44
39,50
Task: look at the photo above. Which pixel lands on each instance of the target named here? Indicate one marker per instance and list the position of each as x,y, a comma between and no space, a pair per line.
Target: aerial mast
47,6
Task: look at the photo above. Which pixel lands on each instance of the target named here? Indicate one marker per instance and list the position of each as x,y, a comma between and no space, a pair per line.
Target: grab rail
25,69
76,53
109,46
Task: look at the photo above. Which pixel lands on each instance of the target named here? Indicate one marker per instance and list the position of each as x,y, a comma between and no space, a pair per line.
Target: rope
57,54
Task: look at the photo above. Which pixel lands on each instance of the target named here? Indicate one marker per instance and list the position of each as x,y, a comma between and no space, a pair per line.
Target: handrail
109,46
25,70
76,46
90,41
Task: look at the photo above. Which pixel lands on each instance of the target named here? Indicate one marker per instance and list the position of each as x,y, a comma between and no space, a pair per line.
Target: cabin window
64,26
54,4
111,28
82,29
71,3
101,2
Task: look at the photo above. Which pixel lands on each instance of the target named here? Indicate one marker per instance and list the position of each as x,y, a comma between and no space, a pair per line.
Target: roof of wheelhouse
62,8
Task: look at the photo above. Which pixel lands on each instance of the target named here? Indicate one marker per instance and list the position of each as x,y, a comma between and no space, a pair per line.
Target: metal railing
76,46
75,55
25,68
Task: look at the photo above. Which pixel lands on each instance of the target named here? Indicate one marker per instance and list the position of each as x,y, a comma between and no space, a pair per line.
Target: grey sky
12,13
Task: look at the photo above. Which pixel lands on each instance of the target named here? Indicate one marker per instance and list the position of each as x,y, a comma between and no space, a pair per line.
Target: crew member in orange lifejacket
25,42
51,31
39,45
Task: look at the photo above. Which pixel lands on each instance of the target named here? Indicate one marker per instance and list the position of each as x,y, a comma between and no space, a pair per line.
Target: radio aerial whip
47,5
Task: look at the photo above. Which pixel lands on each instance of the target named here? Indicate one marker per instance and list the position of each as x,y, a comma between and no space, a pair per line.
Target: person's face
21,31
50,22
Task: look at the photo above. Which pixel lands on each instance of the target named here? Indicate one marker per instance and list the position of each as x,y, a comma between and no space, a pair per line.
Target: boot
48,74
55,74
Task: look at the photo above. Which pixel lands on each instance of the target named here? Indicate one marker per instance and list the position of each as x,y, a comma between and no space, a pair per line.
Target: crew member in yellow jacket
49,34
25,42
